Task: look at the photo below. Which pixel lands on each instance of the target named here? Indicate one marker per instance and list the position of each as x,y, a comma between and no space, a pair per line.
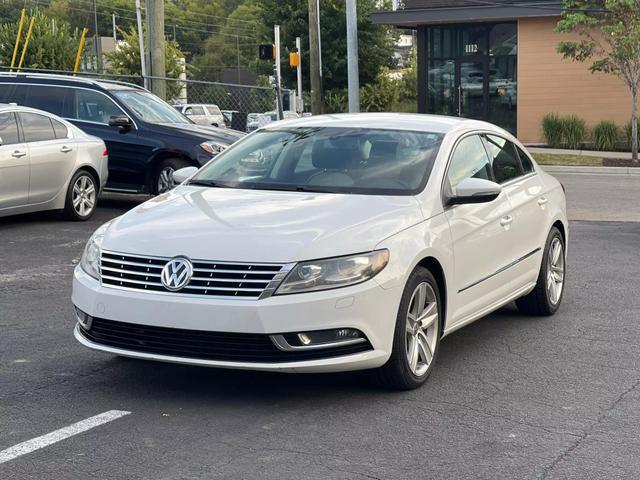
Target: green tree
375,42
52,45
126,60
609,37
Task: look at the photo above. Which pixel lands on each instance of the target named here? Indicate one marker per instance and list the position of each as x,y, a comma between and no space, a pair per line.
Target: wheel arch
435,267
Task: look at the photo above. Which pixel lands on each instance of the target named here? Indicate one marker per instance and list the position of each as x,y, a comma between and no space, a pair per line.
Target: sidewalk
633,171
586,153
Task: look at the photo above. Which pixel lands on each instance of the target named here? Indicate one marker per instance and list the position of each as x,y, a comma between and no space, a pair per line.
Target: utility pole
238,64
276,36
143,63
314,58
300,103
155,25
353,80
96,38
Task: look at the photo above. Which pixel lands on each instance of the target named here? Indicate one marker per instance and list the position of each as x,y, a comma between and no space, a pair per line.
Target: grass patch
575,160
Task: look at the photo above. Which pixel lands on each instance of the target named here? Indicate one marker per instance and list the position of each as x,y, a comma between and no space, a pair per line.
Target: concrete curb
635,171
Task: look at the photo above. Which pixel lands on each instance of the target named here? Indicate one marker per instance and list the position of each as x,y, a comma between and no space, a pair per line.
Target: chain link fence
239,99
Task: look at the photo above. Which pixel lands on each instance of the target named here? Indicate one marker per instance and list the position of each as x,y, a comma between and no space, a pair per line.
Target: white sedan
329,243
46,163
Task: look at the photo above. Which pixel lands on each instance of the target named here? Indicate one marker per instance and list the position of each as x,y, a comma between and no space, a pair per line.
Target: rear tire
416,338
82,197
546,297
162,180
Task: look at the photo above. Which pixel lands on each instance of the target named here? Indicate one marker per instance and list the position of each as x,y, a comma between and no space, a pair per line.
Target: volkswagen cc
329,243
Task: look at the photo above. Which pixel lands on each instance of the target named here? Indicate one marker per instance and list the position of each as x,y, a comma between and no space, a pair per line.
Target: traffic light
267,51
294,59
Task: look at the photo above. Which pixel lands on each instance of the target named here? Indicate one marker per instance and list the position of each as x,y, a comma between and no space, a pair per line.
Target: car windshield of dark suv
150,108
327,159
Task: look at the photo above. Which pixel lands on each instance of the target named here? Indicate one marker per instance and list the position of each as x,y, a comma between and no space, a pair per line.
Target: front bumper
366,307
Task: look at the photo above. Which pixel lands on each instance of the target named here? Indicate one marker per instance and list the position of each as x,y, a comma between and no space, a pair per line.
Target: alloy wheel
84,196
555,271
422,327
165,180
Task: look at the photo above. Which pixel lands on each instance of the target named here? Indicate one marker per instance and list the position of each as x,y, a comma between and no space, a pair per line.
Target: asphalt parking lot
510,397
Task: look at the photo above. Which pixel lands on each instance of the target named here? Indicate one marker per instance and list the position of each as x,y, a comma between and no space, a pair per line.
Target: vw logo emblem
176,273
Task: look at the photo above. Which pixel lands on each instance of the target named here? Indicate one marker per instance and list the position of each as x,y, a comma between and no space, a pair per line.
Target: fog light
318,339
84,319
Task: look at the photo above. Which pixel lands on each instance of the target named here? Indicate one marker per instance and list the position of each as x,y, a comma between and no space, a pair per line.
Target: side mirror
474,190
181,175
120,121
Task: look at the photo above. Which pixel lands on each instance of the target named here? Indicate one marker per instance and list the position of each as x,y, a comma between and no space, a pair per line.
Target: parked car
256,120
146,138
287,114
202,114
329,243
46,163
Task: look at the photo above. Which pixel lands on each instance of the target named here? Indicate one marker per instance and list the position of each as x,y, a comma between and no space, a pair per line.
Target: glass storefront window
471,72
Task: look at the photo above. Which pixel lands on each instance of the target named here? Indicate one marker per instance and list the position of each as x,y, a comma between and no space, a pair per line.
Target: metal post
26,42
276,35
299,102
113,21
96,38
15,48
314,58
143,65
76,65
238,64
319,45
155,24
353,80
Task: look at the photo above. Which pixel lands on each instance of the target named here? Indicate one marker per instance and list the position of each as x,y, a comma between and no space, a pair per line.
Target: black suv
146,138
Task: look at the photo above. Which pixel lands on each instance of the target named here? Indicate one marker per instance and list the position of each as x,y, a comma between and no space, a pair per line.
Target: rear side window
94,107
11,93
469,160
527,165
504,160
36,128
8,129
214,110
194,111
49,99
60,129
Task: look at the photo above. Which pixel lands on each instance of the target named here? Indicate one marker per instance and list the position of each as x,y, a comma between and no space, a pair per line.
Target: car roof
66,80
388,121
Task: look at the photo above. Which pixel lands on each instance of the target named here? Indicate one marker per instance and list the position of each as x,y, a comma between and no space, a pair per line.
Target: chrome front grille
213,279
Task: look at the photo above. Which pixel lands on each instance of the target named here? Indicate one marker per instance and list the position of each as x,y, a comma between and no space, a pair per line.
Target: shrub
336,101
605,135
552,130
574,131
627,130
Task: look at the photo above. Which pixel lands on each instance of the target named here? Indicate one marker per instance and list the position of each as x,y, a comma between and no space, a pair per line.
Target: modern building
497,61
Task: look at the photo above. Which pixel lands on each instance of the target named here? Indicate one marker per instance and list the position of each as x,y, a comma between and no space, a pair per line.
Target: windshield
327,159
149,107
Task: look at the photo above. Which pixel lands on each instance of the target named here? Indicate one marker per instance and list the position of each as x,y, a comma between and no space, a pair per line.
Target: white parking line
57,435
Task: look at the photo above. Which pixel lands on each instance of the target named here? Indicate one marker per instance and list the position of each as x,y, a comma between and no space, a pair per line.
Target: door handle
65,149
506,220
542,201
18,153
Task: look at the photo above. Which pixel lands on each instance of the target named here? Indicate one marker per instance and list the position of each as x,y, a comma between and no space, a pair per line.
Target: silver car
46,163
202,114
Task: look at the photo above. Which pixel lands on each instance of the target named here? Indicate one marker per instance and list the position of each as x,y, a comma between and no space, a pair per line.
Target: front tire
417,334
545,298
162,180
82,197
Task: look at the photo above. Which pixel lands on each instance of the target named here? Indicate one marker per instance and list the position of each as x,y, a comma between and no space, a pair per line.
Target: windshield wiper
206,183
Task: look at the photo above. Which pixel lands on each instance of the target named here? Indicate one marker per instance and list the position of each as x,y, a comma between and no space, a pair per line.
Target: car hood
259,226
206,132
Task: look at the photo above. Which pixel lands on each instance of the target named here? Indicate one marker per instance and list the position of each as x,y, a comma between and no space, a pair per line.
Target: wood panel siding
548,83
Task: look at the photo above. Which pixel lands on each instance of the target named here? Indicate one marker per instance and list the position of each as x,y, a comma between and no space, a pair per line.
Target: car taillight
104,153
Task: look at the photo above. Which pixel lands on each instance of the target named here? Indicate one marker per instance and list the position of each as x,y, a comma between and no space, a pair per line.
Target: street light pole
143,63
353,81
314,58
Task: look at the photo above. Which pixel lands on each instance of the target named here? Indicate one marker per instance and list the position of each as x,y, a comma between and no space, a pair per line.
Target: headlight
212,147
333,272
90,261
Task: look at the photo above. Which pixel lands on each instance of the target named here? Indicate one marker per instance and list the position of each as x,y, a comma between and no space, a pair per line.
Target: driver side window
469,160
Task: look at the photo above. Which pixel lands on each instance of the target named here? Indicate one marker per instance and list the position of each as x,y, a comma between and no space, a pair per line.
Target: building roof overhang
487,12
